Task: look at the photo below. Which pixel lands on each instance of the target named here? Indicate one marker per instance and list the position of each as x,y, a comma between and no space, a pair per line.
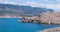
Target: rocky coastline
45,18
56,29
28,19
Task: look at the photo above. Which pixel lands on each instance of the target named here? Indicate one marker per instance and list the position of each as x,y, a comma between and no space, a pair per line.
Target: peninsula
45,18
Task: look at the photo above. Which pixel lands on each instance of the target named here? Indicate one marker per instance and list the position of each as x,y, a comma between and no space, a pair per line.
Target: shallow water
11,25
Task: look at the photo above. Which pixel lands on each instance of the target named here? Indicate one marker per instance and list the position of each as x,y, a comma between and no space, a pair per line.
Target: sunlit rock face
52,17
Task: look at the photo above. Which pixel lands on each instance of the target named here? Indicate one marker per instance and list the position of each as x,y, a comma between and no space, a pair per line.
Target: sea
12,25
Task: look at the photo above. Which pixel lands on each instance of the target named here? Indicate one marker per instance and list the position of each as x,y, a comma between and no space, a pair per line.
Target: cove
11,25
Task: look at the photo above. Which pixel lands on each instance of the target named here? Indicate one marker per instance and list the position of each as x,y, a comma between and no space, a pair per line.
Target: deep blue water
11,25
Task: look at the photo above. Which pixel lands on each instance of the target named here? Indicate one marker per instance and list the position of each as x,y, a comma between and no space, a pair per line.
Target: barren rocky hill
50,17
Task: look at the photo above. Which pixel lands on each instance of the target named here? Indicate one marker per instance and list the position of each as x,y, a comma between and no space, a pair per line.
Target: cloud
48,0
44,5
58,1
7,2
55,6
2,1
16,2
31,3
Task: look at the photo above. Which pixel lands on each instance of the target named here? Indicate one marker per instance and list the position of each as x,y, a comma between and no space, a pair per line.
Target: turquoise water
11,25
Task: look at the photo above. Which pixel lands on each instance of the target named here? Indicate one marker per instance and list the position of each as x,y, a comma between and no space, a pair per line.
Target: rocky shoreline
56,29
33,19
44,18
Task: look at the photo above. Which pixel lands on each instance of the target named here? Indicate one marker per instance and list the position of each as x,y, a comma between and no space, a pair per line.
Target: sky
52,4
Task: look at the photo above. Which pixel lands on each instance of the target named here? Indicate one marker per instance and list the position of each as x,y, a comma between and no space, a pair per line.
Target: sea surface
11,25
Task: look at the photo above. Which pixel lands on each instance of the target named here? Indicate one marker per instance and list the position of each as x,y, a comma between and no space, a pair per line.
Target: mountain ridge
22,10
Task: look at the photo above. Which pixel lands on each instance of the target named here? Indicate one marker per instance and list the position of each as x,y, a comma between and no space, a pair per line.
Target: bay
11,25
